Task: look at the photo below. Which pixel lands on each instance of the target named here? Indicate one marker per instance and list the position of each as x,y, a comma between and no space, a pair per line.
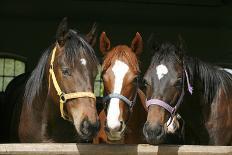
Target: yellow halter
64,97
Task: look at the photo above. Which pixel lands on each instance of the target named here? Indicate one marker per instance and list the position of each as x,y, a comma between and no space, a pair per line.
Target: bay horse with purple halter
199,91
123,118
58,103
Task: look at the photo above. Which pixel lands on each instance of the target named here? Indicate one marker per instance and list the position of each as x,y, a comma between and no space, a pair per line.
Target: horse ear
104,43
153,43
181,46
137,44
91,37
61,31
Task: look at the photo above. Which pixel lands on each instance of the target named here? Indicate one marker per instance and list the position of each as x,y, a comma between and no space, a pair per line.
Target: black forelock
76,45
166,52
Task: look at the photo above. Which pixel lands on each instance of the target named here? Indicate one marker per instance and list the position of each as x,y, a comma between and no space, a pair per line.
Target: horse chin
155,140
86,137
115,136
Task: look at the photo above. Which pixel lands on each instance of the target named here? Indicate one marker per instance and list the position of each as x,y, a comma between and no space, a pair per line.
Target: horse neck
135,124
210,97
53,123
41,97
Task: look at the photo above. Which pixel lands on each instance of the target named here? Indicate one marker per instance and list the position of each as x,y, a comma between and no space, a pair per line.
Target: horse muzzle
154,134
88,130
115,135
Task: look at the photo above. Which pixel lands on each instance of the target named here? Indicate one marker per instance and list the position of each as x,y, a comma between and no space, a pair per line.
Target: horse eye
66,72
156,48
145,83
135,80
178,83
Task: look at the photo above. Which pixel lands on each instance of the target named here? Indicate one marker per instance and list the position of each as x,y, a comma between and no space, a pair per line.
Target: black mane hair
212,77
166,51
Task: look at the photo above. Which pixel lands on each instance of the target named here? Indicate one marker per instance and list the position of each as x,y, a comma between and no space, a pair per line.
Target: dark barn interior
28,27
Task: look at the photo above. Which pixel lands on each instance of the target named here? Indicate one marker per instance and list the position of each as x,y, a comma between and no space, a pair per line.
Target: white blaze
161,70
83,61
119,69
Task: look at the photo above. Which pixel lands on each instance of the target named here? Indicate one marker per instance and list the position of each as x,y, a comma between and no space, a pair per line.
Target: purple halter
172,110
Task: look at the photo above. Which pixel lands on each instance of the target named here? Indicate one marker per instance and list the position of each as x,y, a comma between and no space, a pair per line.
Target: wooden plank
88,149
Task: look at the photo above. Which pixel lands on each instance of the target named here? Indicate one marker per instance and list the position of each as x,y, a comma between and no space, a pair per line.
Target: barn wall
207,28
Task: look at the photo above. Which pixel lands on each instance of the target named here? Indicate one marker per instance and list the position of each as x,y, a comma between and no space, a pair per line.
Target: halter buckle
62,97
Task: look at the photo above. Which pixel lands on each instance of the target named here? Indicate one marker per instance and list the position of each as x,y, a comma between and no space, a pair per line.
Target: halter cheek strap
63,96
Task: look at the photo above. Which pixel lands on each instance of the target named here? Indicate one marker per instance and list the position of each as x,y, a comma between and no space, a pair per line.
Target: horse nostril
147,130
158,130
85,124
88,129
85,127
146,126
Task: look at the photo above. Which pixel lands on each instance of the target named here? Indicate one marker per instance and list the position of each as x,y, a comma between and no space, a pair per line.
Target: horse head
165,87
120,77
72,69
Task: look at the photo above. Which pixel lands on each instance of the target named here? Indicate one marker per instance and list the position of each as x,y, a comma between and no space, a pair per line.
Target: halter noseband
63,96
170,109
128,102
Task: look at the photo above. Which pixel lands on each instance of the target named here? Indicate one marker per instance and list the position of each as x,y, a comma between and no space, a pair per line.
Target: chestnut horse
58,103
123,118
206,109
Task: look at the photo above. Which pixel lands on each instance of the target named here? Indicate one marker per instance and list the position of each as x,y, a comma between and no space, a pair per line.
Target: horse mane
124,53
213,77
34,84
75,46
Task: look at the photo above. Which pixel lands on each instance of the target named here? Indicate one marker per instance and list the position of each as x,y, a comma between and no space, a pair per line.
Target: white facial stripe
83,61
119,69
161,70
113,114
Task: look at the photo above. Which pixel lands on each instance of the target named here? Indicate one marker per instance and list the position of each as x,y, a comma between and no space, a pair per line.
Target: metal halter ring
62,97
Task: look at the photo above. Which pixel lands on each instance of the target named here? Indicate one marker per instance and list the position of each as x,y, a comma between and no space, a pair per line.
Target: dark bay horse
199,91
58,103
122,119
13,93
